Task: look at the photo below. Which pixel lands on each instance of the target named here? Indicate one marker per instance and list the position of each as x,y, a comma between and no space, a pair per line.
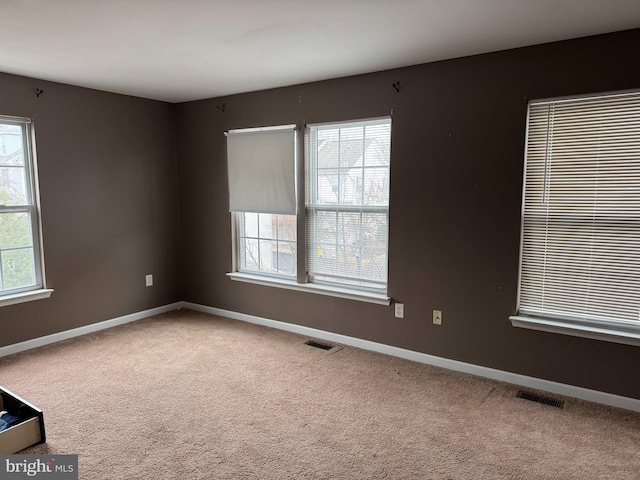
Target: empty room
320,240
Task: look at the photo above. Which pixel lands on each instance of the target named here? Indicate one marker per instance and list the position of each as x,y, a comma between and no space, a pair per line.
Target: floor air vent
540,399
323,346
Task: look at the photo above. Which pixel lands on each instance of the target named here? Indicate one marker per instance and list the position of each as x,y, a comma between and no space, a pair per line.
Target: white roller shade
261,166
581,213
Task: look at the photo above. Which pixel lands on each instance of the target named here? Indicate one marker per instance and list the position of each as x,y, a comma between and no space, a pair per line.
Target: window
20,252
580,252
345,215
262,195
347,171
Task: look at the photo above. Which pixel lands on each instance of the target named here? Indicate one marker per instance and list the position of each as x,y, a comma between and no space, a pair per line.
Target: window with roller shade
344,211
580,251
262,195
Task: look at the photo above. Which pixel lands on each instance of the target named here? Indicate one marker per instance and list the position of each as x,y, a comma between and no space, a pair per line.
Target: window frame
613,330
313,205
38,290
302,282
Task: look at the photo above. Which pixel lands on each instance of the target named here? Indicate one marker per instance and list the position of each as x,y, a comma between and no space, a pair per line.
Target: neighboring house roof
342,153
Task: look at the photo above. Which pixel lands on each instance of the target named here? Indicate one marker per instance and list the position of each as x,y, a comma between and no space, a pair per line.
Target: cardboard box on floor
26,433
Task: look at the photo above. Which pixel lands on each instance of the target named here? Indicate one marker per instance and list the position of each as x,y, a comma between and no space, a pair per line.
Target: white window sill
577,330
332,291
25,296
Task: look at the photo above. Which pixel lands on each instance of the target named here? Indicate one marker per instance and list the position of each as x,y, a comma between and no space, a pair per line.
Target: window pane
15,230
250,225
267,225
250,256
13,181
350,186
376,186
328,148
11,144
13,185
328,186
348,246
285,258
378,146
375,230
267,243
374,263
18,268
352,165
325,259
349,231
287,228
267,263
326,225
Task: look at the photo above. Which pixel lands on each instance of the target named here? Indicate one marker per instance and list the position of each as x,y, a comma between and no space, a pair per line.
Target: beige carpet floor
186,395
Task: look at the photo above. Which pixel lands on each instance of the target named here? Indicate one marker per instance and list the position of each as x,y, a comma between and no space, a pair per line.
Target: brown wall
109,193
456,178
110,204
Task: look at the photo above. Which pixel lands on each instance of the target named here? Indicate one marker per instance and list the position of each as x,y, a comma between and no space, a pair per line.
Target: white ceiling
180,50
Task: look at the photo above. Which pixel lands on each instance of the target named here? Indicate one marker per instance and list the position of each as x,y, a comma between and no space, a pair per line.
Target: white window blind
348,202
261,169
580,255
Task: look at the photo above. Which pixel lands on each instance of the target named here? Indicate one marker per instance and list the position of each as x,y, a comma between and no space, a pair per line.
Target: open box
29,431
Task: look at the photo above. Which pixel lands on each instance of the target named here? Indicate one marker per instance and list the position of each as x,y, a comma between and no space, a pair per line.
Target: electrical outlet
399,310
148,280
437,317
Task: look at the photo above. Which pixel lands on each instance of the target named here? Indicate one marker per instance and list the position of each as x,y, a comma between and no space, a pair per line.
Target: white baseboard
76,332
509,377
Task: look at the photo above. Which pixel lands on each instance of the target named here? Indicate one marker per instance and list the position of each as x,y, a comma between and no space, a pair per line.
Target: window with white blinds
580,253
347,189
